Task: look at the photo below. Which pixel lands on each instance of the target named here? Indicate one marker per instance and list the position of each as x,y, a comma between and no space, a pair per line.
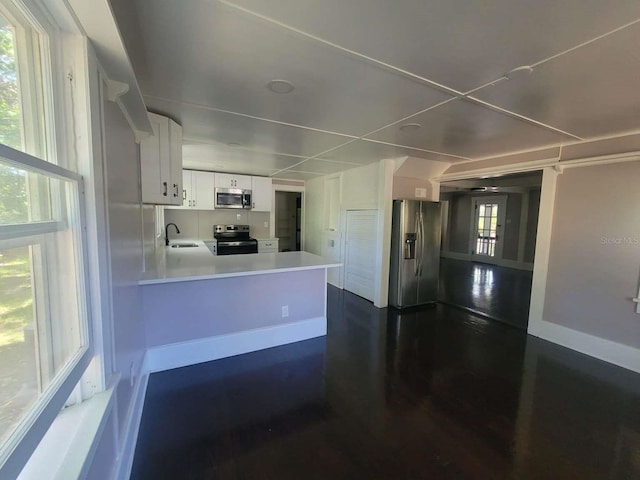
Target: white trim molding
115,89
182,354
607,350
124,462
543,246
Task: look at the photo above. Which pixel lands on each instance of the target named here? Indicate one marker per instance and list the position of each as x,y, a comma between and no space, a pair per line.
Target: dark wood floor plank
433,393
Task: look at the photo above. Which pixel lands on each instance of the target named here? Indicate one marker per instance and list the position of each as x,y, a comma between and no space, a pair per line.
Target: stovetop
232,232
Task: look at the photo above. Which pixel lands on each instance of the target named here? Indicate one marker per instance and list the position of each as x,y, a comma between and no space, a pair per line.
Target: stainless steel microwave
232,198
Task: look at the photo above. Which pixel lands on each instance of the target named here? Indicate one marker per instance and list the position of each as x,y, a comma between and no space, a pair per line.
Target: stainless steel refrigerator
415,253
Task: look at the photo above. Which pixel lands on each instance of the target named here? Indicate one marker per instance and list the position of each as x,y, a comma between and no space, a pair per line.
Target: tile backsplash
199,223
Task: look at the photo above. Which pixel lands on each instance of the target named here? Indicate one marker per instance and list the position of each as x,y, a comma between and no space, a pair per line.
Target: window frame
53,123
18,447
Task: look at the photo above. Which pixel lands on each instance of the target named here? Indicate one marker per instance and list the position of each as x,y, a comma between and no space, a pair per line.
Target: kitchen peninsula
200,307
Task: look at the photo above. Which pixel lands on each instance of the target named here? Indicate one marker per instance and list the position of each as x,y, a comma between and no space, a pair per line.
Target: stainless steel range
234,239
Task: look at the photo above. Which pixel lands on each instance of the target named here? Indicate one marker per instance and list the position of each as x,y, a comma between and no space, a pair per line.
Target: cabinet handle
184,194
175,186
164,184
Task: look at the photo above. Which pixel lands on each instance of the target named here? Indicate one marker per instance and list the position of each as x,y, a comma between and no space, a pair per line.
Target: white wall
314,215
125,239
122,197
594,263
360,187
363,188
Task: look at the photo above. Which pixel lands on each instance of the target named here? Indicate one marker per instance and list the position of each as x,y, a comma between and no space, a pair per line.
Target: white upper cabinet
226,180
161,162
261,194
203,184
187,188
198,190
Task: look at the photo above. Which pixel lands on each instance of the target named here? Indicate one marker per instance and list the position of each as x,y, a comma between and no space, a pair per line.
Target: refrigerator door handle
416,228
421,242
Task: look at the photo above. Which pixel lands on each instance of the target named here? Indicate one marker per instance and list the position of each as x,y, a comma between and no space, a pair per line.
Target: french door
487,228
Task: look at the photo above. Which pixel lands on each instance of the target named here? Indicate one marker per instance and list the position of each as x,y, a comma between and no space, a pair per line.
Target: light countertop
197,263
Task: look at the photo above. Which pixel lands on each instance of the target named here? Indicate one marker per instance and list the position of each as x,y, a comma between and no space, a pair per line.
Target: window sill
67,449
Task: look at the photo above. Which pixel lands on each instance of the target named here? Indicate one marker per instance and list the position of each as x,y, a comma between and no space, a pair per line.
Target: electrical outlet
266,224
285,311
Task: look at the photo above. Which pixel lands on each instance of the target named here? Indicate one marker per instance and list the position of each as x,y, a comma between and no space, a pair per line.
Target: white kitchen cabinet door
268,246
175,161
187,188
261,194
204,190
360,252
161,163
226,180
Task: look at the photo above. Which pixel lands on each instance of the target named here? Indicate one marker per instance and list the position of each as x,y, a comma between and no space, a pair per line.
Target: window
44,334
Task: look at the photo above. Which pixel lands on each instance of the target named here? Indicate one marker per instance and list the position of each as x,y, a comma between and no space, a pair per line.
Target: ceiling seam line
388,66
540,62
415,148
363,138
253,117
584,44
521,117
408,117
244,149
318,155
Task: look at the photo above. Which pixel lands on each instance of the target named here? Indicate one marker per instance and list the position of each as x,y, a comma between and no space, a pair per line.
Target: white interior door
360,252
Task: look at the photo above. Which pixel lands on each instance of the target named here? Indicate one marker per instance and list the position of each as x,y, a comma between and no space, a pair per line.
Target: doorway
288,221
488,245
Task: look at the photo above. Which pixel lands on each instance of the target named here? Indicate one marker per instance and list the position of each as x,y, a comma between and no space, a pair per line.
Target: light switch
266,224
421,193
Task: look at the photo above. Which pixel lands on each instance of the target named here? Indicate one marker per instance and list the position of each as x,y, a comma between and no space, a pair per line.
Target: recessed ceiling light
280,86
409,127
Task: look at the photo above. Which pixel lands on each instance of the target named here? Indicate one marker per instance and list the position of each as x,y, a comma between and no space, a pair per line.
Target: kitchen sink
184,245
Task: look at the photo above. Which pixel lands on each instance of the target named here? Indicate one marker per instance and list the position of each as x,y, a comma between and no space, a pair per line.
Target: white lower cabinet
267,245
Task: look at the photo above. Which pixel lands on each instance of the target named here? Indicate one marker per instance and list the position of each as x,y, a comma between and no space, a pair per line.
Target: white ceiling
363,68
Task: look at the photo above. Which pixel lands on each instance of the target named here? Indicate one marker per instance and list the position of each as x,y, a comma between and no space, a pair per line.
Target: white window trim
18,448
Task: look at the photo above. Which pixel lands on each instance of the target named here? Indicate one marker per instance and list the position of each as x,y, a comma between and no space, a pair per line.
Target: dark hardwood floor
500,293
435,393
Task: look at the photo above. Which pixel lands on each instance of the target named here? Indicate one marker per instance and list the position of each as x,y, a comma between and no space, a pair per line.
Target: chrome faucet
166,232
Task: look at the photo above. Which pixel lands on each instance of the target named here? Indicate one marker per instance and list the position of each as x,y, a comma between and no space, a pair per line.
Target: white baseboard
612,352
182,354
501,263
124,463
